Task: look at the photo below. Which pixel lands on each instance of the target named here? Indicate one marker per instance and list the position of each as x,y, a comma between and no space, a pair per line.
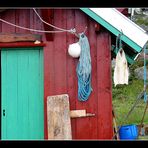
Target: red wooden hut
52,72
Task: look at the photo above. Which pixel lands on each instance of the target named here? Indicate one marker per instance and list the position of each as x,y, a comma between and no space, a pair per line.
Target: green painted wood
111,28
22,93
130,58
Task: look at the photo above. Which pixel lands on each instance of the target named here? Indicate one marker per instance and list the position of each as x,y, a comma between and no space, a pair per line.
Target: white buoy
74,50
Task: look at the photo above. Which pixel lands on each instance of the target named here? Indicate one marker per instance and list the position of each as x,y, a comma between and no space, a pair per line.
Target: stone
138,72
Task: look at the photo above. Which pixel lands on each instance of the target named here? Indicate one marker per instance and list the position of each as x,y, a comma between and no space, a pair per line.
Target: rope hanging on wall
84,69
118,43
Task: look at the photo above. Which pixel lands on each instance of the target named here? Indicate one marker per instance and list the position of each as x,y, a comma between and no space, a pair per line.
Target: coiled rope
84,69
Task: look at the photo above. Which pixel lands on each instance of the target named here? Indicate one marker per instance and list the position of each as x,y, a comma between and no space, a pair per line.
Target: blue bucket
128,132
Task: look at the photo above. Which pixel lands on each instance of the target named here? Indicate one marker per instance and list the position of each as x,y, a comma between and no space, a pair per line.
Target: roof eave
113,30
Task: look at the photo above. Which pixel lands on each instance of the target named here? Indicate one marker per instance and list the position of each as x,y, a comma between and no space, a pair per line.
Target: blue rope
84,69
145,77
118,41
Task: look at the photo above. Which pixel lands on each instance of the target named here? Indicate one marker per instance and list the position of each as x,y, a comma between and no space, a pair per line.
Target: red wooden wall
60,68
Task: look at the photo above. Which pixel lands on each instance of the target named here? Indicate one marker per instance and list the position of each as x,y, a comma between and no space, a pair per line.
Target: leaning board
58,116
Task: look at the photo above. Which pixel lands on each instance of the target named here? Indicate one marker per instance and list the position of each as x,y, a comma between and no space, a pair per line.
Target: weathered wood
80,113
21,44
116,134
77,113
58,116
15,37
47,15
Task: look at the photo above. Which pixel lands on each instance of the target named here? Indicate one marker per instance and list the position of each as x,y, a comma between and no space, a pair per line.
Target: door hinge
3,112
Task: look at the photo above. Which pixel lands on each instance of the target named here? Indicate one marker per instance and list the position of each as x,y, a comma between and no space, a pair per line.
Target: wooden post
115,125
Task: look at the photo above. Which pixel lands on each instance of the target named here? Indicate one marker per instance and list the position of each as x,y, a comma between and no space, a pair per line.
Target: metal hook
85,29
121,33
77,34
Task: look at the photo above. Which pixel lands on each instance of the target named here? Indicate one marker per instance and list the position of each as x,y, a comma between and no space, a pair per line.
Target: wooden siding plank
41,92
82,124
12,96
60,51
32,68
48,79
15,37
92,36
0,23
47,15
71,70
3,94
35,22
104,87
22,18
20,44
9,16
23,106
36,109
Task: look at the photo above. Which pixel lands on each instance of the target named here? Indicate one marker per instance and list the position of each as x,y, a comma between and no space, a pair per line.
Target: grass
142,138
140,20
124,96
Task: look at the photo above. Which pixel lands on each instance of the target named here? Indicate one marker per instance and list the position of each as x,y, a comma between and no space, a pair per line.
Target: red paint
123,11
104,86
93,108
47,15
71,71
21,44
97,27
60,69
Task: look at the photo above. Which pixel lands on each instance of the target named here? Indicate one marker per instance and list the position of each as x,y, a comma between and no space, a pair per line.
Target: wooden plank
48,80
104,87
47,15
60,53
116,134
77,113
4,93
83,130
15,37
21,44
11,112
58,115
71,70
80,113
93,108
23,100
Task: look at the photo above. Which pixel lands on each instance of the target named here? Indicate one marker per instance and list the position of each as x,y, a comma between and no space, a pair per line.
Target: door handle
3,112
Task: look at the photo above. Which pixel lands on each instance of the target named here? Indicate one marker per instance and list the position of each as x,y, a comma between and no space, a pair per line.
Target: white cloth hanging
121,71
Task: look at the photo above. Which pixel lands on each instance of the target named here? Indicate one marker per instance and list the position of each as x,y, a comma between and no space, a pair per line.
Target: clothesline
73,31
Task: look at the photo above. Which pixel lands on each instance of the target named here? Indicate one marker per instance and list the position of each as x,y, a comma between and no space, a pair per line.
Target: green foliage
141,20
124,96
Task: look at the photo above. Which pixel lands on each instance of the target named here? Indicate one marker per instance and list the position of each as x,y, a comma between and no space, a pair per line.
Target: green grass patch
124,96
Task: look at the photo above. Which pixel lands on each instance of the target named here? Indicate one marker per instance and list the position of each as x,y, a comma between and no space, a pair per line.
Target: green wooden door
22,93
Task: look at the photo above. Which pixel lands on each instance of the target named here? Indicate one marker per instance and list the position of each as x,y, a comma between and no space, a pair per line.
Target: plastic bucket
128,132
